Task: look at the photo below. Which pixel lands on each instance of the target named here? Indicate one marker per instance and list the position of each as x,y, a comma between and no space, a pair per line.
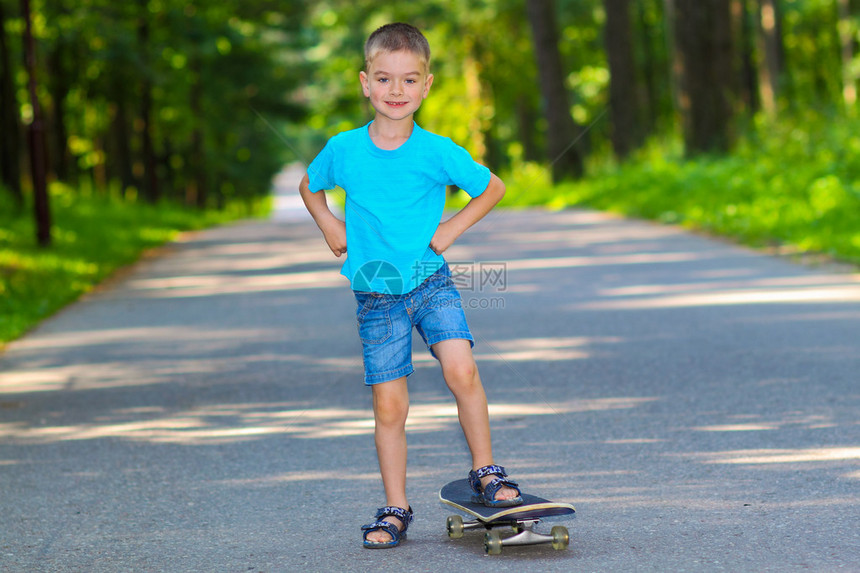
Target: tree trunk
650,107
150,177
59,86
36,136
846,40
704,49
121,158
626,134
527,117
564,144
748,86
674,54
10,124
770,48
198,190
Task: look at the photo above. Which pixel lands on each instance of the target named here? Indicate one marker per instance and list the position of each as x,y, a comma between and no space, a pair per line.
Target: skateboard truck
524,533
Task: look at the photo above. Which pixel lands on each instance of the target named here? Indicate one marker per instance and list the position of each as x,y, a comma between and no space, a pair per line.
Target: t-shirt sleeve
321,171
465,172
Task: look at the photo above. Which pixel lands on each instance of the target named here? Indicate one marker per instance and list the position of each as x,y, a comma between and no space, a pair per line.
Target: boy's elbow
499,188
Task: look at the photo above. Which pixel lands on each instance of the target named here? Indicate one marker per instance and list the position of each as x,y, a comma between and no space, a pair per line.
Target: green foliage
795,183
93,236
220,79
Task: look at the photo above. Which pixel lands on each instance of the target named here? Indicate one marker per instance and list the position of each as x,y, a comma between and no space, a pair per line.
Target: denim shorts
385,324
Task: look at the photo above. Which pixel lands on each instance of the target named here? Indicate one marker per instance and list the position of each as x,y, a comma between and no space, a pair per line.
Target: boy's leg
461,375
390,408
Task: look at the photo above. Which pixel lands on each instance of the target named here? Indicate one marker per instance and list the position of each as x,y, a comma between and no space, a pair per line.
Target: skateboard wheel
560,537
454,525
492,543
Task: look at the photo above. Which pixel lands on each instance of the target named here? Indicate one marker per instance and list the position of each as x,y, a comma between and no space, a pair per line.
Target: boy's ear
428,81
362,77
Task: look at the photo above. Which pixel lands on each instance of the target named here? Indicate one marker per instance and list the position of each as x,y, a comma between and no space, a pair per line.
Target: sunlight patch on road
803,289
312,476
139,335
541,349
118,374
780,456
224,284
600,260
153,355
787,456
232,258
737,428
754,423
239,422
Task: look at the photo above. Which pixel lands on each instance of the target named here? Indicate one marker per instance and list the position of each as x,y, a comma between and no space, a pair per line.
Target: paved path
204,411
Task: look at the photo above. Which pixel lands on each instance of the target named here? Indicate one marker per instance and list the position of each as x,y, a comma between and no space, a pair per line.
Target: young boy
395,176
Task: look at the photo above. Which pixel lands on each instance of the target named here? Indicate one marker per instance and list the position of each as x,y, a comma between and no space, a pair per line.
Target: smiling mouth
396,103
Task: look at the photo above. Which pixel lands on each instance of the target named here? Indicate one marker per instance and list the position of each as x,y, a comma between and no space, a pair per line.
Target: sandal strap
491,470
494,486
475,476
391,529
404,515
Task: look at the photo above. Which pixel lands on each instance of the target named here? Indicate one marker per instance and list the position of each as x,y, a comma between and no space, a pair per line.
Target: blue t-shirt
394,203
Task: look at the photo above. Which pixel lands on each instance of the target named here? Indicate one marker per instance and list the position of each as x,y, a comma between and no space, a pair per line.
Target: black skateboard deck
523,518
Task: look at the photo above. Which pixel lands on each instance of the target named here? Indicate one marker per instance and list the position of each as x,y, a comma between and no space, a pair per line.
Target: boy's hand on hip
474,211
443,238
335,237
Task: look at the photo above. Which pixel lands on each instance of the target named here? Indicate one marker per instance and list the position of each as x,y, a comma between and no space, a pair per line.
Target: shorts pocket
374,320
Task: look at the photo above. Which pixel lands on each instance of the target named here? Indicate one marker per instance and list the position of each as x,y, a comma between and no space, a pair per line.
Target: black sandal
397,534
487,495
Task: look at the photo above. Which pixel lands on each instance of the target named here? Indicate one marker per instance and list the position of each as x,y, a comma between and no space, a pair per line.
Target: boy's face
396,83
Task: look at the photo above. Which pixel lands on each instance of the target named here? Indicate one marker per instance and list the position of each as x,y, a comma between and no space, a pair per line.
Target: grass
795,184
92,237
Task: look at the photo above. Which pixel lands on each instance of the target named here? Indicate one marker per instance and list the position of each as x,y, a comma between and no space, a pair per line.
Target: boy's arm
474,211
333,229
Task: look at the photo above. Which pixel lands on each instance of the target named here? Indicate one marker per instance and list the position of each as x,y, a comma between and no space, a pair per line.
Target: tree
564,145
36,134
10,124
771,53
745,38
624,108
847,32
151,187
703,48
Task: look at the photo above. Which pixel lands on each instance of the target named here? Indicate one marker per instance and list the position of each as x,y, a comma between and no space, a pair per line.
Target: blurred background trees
203,102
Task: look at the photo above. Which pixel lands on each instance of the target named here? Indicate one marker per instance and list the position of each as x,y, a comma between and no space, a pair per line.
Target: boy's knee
460,372
390,409
391,416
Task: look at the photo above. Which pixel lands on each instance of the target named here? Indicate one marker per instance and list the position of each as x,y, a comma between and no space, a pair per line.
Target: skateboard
522,519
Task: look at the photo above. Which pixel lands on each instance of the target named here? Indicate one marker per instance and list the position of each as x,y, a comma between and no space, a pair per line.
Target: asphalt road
204,411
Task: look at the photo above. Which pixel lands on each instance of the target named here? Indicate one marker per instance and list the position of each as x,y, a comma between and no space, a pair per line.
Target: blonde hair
394,38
